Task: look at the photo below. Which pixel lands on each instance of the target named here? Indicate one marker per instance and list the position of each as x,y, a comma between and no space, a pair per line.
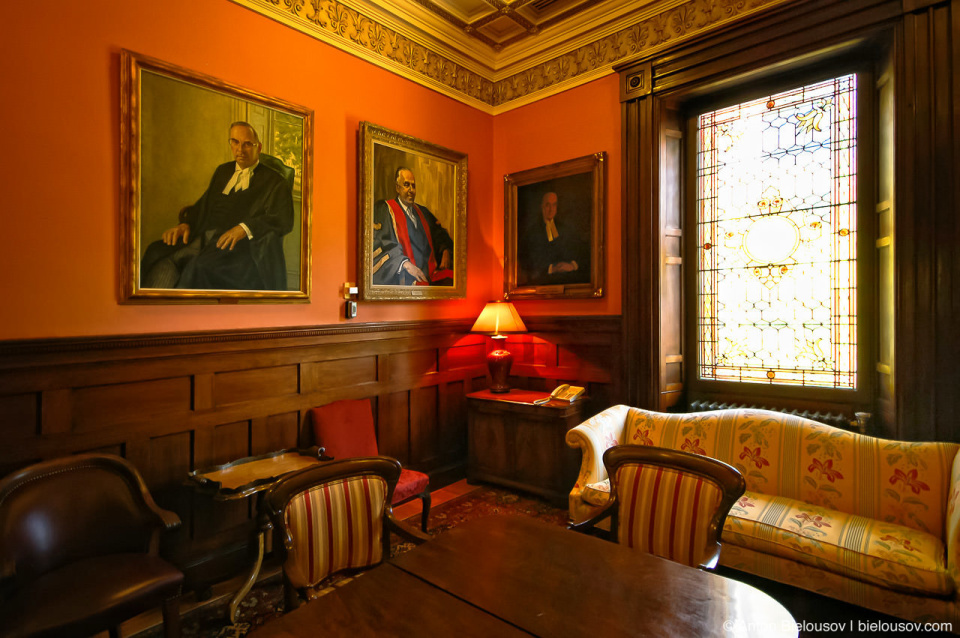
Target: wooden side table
246,477
517,444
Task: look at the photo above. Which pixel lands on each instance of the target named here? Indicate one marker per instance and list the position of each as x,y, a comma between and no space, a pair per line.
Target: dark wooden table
530,578
387,601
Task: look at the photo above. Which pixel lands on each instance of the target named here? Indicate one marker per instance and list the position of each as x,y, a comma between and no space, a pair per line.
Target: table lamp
497,318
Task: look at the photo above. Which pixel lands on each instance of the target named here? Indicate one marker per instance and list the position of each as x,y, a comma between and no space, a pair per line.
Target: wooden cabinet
519,445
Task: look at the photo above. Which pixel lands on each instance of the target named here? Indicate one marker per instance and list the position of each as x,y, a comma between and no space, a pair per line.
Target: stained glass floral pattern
777,231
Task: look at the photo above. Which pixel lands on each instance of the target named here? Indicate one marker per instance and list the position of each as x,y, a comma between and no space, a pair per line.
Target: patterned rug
265,601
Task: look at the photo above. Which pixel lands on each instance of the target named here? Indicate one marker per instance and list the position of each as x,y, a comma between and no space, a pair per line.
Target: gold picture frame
413,244
553,230
177,128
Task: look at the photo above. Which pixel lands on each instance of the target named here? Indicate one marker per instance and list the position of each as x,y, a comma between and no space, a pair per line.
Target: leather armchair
79,541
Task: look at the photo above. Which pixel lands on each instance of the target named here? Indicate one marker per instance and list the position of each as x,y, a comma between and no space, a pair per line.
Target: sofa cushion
888,554
597,494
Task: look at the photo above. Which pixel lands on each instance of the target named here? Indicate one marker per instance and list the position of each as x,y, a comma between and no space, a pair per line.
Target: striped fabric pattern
335,526
666,512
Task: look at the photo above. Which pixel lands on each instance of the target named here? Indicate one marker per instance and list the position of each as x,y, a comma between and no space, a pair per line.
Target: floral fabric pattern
597,494
863,519
865,549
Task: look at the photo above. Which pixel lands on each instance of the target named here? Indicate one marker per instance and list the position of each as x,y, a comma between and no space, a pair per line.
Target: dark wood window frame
813,399
915,55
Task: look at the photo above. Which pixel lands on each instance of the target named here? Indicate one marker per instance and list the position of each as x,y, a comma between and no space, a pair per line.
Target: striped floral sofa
865,520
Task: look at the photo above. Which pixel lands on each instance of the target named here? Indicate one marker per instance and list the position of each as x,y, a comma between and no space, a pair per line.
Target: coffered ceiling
499,34
500,54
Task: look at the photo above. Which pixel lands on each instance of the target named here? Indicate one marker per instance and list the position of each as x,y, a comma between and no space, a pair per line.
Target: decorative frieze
346,28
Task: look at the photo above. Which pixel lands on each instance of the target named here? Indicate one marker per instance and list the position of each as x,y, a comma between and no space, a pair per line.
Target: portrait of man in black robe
553,232
232,237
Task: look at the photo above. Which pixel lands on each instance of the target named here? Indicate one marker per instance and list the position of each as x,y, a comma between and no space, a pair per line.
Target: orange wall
582,121
61,169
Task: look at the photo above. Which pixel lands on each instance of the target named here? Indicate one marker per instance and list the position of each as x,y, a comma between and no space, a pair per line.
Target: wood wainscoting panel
583,351
175,403
425,438
464,354
106,406
228,442
411,365
20,417
453,416
244,386
164,461
393,426
316,376
276,432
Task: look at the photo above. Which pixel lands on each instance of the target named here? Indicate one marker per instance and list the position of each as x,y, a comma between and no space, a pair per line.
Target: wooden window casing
913,60
812,398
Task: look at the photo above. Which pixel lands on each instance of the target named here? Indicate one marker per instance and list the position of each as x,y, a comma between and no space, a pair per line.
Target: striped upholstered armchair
333,520
669,503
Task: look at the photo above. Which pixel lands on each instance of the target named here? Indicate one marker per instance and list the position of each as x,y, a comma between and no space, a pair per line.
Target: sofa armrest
594,436
953,522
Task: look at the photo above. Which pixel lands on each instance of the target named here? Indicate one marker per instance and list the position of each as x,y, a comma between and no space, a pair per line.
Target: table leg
251,579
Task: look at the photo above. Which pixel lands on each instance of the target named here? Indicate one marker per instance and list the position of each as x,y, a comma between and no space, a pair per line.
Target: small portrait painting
413,218
554,230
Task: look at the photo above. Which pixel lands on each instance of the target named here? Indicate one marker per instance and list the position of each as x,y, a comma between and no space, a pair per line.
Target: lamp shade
497,318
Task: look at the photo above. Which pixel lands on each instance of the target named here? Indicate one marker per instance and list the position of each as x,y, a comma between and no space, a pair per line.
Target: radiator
858,424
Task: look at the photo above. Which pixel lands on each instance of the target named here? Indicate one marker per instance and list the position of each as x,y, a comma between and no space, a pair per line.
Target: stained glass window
776,232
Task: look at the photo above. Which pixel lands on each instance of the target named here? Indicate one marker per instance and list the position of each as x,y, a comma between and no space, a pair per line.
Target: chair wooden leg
425,513
290,597
171,617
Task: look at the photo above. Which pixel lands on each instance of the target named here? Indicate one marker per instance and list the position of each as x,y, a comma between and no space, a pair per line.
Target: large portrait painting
215,189
413,218
553,230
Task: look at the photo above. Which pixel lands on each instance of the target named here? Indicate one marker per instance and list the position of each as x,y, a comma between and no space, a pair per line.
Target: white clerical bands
241,182
551,230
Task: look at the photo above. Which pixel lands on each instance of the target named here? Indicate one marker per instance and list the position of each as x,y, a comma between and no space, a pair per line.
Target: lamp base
499,362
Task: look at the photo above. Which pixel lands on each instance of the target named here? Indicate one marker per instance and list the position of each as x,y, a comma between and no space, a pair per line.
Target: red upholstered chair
333,519
345,430
79,539
669,503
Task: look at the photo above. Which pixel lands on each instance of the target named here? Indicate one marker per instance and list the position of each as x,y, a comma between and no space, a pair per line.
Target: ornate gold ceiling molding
347,29
412,57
